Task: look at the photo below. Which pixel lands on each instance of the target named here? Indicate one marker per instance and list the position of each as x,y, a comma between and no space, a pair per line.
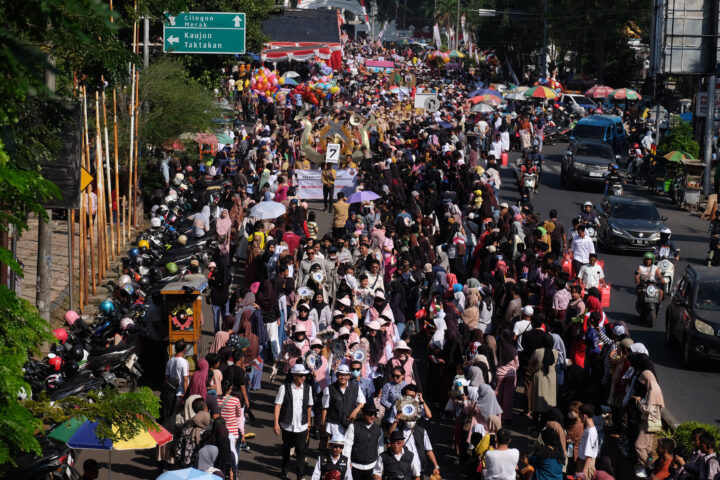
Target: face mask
410,425
356,374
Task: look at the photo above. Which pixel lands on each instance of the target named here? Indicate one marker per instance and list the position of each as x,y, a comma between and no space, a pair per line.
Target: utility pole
543,62
372,21
457,26
712,66
44,253
146,42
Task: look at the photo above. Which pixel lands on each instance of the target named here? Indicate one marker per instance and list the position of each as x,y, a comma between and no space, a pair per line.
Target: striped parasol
541,92
599,91
625,94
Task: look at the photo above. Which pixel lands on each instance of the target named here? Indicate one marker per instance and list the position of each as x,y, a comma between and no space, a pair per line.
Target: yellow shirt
304,164
328,177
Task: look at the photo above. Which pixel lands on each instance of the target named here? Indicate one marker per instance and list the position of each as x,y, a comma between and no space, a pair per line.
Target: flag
436,36
340,20
450,34
382,32
511,71
364,11
464,31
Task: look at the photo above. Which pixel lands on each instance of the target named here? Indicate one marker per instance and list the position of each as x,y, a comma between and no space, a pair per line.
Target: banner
309,183
436,36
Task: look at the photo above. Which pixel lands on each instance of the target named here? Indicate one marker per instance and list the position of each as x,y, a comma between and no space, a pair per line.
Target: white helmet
124,280
588,204
126,323
154,208
179,177
172,193
155,222
182,187
666,231
169,199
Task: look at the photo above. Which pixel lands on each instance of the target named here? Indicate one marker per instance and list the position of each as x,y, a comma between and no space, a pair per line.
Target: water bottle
569,450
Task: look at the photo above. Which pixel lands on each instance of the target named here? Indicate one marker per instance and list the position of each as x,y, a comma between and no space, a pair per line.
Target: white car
576,103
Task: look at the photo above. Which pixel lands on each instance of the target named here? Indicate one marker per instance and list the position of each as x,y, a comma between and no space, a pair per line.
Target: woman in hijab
220,438
252,352
201,222
237,211
484,408
267,301
222,336
206,459
508,364
555,422
452,353
198,382
544,390
190,438
223,225
549,459
320,312
650,408
256,245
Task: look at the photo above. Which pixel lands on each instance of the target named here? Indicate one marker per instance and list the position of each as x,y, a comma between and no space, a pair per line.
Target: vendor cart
183,300
690,188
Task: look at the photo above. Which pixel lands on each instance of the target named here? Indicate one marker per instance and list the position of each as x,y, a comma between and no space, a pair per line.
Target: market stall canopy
206,139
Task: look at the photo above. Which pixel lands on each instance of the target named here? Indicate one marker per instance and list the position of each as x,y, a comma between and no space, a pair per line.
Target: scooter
529,182
667,267
56,462
617,189
649,302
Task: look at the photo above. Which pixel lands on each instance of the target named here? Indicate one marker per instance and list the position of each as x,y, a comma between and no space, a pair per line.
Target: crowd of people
436,300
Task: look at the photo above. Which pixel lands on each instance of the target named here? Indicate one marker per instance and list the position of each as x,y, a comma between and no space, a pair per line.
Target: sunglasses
397,376
336,446
357,369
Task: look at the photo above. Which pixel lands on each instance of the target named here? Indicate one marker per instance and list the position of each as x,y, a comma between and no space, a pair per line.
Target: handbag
654,426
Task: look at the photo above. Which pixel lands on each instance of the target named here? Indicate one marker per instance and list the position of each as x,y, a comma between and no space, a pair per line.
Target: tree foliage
679,137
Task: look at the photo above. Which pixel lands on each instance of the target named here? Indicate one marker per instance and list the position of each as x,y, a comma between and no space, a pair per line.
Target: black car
630,224
586,161
693,315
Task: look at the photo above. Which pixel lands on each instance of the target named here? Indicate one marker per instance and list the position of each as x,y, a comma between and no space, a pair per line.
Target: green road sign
204,32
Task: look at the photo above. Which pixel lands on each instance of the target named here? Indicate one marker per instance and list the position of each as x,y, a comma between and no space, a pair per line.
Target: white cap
316,342
300,328
402,345
337,439
504,205
343,369
343,331
345,301
212,264
374,325
380,294
619,330
337,313
527,310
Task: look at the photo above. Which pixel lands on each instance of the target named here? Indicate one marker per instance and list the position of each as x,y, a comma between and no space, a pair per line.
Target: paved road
689,395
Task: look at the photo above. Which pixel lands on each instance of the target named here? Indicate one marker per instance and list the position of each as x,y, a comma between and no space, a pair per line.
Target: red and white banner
364,11
436,36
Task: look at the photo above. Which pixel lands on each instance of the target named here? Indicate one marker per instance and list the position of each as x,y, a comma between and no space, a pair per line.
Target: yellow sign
85,179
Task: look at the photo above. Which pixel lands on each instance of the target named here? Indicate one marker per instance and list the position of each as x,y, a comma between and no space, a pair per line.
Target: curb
669,419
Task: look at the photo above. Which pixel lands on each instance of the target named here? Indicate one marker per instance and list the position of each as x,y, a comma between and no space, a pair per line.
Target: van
603,128
576,103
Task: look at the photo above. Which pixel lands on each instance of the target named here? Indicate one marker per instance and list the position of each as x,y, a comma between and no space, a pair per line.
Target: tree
679,137
78,34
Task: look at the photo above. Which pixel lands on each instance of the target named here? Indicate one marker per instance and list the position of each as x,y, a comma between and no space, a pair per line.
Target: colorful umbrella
289,81
363,196
491,100
599,91
522,89
541,92
498,86
678,155
187,474
456,54
625,94
490,91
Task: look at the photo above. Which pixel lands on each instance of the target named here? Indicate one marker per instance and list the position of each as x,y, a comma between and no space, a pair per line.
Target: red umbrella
174,144
599,91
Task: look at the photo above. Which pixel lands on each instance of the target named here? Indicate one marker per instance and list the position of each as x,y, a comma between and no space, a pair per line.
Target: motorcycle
649,302
667,267
56,462
529,182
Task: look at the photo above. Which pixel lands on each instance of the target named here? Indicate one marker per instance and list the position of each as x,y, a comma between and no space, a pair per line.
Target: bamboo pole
130,161
87,194
82,266
71,258
99,181
116,191
137,149
108,179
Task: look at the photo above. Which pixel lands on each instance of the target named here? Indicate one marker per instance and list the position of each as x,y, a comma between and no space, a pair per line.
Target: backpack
185,448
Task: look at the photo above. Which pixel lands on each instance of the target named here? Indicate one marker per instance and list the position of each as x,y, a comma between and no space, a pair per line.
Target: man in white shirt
364,441
335,461
398,461
589,442
523,325
582,246
341,402
293,404
501,463
177,379
591,275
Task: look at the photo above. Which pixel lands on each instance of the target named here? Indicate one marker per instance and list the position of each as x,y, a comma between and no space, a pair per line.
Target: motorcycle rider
588,216
635,161
665,248
528,168
613,176
647,270
537,158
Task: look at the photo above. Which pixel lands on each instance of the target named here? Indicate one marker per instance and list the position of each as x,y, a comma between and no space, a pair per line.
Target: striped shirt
230,410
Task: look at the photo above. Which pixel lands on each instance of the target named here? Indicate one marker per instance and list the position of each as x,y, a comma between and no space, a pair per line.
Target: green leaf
6,257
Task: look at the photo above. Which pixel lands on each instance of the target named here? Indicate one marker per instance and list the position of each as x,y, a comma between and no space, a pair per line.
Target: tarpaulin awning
331,53
206,139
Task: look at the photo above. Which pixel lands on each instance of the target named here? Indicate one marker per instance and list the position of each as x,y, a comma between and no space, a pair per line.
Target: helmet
126,323
124,280
143,243
71,316
171,267
169,200
55,361
107,306
636,145
587,204
133,252
155,222
154,208
139,261
179,177
182,187
77,352
144,282
665,232
189,169
614,166
649,255
156,274
182,239
127,288
61,335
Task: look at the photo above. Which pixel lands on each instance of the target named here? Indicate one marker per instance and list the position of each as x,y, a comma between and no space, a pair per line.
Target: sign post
204,32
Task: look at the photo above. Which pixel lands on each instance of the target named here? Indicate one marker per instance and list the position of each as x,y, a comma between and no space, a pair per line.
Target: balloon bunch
265,83
441,57
549,82
307,93
326,86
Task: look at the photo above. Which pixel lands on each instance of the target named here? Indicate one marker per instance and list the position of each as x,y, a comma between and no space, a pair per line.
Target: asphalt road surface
689,395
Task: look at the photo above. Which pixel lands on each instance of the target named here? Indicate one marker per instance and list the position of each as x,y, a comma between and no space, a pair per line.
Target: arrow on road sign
237,20
172,39
85,179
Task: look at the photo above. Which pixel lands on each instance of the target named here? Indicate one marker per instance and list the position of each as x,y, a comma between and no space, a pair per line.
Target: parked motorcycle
56,462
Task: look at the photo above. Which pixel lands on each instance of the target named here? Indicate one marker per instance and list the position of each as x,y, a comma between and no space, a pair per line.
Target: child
525,470
312,226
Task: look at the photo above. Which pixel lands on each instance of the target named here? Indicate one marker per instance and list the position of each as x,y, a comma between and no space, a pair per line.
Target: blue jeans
218,313
400,328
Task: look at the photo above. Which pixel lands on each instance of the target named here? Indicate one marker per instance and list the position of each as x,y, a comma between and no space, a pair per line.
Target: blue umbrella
476,92
363,196
187,474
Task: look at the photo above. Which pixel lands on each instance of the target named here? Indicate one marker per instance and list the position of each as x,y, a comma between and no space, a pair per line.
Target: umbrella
625,94
490,91
678,155
403,90
541,92
363,196
268,210
456,54
291,74
522,89
82,435
187,474
224,138
492,100
481,108
289,81
515,96
174,144
599,91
